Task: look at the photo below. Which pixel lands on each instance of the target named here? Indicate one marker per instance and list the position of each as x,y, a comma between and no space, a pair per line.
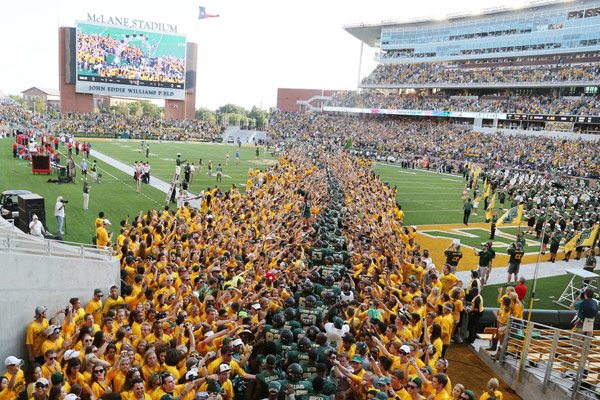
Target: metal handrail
566,359
12,242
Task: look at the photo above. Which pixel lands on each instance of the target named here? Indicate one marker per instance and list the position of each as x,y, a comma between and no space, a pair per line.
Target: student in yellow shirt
94,306
35,337
492,391
439,383
502,317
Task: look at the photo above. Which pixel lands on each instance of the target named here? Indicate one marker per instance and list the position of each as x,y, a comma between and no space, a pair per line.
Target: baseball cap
57,378
224,368
242,314
50,330
470,394
357,359
106,222
191,362
191,374
71,396
98,292
256,306
70,354
42,381
39,310
12,360
405,349
237,342
418,381
384,380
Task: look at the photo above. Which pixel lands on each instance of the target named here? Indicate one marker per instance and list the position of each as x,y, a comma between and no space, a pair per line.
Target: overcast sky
243,56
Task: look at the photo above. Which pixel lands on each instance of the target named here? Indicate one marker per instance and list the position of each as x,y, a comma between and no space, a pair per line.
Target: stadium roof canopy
370,33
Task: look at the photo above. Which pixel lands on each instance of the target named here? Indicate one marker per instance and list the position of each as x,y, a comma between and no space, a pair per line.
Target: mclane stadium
430,235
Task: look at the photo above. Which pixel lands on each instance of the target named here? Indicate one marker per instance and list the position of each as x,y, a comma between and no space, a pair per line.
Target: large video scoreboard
124,62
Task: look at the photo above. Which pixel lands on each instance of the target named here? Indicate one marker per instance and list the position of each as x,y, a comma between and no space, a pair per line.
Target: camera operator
59,213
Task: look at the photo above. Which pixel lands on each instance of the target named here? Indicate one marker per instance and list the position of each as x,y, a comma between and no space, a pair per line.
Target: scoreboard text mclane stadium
134,23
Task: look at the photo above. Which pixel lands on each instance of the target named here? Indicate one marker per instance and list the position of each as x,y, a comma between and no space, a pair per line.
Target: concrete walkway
499,273
154,181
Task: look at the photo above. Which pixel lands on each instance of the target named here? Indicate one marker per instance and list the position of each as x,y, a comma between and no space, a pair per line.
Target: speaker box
30,204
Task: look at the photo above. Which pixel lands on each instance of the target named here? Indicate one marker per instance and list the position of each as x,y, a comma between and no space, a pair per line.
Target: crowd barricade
565,358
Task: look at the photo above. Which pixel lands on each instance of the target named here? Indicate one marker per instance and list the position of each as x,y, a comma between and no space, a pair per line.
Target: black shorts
553,248
513,268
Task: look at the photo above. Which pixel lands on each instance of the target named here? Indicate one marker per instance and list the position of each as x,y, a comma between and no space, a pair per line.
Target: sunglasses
412,386
98,371
52,358
88,340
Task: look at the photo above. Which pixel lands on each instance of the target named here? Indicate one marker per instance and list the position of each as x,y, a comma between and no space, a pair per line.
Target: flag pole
531,300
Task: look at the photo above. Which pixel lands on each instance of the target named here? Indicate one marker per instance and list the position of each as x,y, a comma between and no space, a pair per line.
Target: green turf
427,197
547,290
162,160
115,196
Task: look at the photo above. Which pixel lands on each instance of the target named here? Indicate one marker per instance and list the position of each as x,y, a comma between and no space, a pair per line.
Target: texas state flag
203,14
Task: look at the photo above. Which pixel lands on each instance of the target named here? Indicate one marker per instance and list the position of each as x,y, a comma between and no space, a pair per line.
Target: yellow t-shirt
35,336
497,394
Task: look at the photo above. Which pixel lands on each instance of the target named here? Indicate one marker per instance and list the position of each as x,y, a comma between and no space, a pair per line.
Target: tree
121,109
38,105
231,109
205,114
151,109
234,119
260,117
18,99
135,109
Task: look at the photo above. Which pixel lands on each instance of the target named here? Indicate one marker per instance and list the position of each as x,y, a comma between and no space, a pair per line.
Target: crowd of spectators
128,57
430,139
455,74
580,105
301,287
14,116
